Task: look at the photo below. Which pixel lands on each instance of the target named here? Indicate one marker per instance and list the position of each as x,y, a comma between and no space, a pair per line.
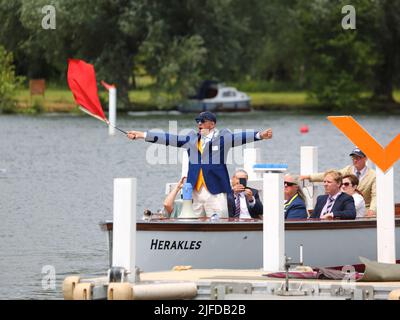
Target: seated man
294,207
244,202
365,175
335,203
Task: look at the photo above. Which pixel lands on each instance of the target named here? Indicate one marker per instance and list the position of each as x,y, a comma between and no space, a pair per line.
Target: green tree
338,62
9,82
386,40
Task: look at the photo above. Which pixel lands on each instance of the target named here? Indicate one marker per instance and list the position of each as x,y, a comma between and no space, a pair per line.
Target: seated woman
294,207
349,185
171,206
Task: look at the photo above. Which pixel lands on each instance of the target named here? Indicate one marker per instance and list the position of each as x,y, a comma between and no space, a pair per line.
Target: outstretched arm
249,136
169,200
160,138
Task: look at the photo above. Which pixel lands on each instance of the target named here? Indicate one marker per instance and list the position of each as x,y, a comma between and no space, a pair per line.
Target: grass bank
61,100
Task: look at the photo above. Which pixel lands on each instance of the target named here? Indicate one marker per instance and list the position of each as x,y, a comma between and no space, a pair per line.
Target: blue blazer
254,211
343,207
213,159
296,209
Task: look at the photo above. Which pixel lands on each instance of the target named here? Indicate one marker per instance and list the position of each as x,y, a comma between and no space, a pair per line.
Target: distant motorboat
214,96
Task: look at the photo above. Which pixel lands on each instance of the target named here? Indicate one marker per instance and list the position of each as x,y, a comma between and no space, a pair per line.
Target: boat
163,243
214,96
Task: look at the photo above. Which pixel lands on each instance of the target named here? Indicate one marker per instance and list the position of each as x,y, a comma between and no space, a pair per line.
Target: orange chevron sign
384,158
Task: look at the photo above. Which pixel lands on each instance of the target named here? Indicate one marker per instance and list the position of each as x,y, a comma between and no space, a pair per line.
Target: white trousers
205,202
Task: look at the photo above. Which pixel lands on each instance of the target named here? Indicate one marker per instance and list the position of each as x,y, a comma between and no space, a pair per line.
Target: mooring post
273,217
309,165
251,156
112,109
124,229
385,216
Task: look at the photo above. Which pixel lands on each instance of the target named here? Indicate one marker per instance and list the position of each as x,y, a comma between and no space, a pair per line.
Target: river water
56,183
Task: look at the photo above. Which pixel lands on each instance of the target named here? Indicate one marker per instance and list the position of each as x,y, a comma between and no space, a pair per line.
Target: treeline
298,44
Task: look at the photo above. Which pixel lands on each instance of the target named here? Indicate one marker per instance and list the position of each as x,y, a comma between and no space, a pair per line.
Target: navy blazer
343,207
254,211
213,159
296,209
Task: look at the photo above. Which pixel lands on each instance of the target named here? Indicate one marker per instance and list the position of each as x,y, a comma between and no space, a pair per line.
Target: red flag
82,82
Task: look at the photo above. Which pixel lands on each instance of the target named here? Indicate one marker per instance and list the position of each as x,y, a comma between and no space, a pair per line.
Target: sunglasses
289,184
346,184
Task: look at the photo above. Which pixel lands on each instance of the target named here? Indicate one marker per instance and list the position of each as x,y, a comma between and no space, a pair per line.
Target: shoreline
62,101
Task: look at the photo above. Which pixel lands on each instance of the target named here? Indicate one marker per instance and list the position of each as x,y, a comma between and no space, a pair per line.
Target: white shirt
208,138
324,209
359,203
244,211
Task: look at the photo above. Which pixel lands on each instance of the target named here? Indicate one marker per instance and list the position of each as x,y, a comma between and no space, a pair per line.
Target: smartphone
243,182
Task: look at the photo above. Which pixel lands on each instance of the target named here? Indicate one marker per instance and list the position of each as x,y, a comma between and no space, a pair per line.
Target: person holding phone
243,202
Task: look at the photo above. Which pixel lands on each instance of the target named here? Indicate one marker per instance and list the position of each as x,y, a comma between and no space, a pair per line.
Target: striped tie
237,206
358,174
330,204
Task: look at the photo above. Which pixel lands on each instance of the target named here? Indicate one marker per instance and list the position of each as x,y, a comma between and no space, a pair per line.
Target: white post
385,216
309,165
273,222
124,229
251,156
185,163
112,110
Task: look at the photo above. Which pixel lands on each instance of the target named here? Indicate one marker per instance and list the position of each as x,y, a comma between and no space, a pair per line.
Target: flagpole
101,119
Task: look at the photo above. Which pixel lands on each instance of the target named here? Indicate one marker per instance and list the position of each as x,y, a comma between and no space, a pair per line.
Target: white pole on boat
251,156
112,109
185,163
385,216
273,217
309,165
124,228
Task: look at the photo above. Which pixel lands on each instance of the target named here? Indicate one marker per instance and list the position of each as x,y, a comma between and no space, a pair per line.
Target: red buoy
304,129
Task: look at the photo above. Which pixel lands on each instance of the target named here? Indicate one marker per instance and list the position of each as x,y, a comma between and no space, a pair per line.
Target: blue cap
357,152
206,115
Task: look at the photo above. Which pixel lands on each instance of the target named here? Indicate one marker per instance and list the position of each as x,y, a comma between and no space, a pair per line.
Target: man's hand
266,134
370,214
328,216
249,194
133,135
238,188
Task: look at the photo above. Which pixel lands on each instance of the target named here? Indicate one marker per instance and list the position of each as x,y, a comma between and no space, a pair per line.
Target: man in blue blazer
335,204
243,202
207,150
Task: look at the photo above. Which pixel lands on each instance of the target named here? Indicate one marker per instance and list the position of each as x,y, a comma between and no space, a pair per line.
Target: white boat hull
161,245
